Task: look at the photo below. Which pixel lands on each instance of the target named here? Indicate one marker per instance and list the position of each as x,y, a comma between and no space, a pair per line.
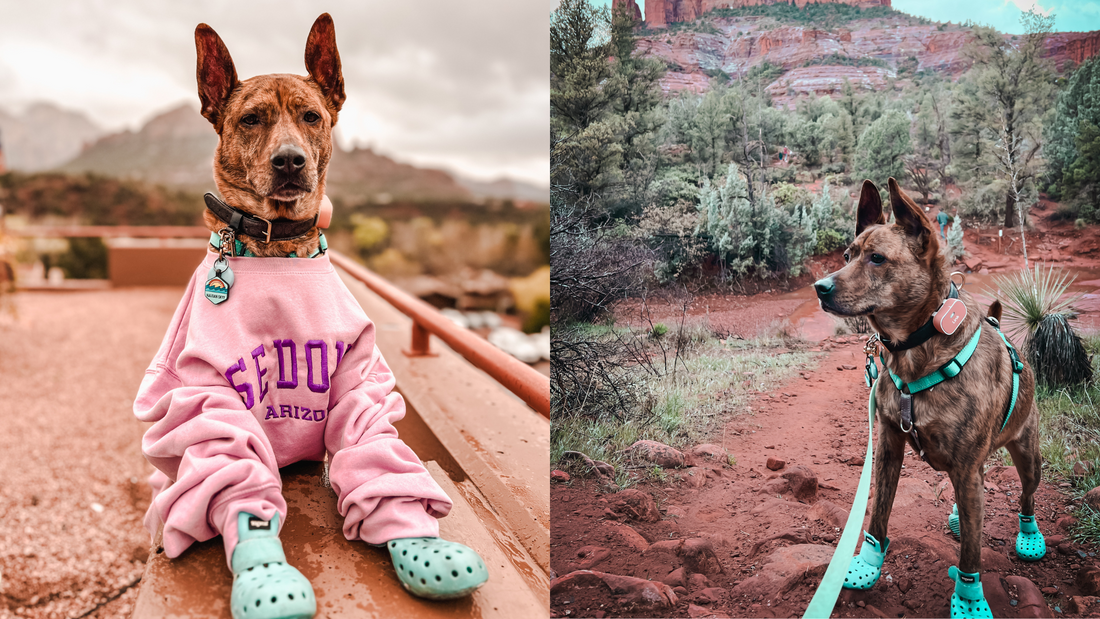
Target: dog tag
219,281
950,315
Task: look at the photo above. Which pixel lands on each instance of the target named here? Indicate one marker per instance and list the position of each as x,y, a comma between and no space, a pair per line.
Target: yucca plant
1037,310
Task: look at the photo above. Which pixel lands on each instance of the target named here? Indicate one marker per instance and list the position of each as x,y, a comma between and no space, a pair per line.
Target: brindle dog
274,134
896,277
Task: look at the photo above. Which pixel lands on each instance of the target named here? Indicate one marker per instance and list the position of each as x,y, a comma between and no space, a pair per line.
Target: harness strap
239,248
1017,367
950,369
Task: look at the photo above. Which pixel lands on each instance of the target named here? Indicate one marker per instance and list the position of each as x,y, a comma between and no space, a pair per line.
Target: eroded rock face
631,8
741,43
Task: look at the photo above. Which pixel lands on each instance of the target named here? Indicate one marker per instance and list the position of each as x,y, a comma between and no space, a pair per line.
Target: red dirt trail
819,421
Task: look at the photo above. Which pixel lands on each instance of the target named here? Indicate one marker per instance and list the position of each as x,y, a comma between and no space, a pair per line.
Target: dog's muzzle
825,288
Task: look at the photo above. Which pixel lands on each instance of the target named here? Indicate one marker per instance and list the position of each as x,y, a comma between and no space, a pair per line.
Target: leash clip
870,348
228,238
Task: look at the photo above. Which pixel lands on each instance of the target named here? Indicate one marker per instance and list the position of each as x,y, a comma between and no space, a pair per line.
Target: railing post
421,341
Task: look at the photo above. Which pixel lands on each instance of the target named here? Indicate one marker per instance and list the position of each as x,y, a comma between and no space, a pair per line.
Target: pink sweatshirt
284,370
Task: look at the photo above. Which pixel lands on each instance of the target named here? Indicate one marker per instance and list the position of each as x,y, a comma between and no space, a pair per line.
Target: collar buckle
267,239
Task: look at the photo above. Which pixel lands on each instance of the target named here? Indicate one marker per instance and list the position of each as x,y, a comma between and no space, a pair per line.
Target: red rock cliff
661,13
631,7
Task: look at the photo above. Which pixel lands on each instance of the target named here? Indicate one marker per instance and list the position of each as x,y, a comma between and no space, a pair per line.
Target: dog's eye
846,257
311,117
251,120
878,258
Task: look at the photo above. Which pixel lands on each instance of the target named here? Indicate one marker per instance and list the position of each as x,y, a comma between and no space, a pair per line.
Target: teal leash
821,606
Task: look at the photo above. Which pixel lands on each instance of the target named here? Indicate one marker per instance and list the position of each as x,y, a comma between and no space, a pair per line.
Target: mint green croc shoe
968,600
953,520
1030,545
433,568
264,586
865,568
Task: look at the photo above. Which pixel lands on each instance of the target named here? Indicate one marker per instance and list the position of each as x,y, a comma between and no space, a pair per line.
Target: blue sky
1004,15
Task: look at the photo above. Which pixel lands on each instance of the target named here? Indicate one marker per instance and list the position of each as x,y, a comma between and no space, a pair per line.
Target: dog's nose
288,159
824,287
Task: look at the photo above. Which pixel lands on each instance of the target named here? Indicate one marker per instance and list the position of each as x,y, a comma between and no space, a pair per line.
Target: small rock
627,589
1079,604
698,581
699,557
1049,590
604,469
559,476
829,513
634,504
1088,579
140,553
675,578
1065,523
904,585
848,367
1092,498
657,453
706,453
775,463
698,612
1032,602
1080,469
710,595
861,604
803,483
589,557
856,461
1052,541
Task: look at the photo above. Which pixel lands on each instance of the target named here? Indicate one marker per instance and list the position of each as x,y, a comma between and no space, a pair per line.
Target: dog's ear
215,72
995,310
869,212
323,61
912,220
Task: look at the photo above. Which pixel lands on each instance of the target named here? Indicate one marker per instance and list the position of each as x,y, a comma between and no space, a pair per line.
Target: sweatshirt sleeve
383,490
214,456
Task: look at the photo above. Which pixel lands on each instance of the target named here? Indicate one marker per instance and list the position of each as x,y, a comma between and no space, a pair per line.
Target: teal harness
948,370
239,248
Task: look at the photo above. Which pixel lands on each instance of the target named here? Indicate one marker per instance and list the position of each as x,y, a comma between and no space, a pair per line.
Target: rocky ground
72,491
753,539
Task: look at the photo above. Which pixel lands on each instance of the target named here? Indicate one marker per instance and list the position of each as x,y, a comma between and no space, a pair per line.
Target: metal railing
518,377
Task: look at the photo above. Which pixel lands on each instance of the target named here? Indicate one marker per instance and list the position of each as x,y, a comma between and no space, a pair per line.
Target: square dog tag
949,316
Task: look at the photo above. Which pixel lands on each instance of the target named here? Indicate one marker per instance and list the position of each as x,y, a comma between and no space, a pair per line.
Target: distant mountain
176,149
507,189
362,175
44,136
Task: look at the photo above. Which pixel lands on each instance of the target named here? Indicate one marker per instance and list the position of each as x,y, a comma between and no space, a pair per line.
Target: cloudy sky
461,85
1004,15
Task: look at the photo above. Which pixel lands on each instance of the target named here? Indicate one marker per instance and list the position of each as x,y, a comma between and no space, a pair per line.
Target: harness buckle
951,369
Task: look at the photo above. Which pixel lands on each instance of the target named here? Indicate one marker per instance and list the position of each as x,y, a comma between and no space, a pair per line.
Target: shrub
829,240
1056,353
85,259
1034,305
